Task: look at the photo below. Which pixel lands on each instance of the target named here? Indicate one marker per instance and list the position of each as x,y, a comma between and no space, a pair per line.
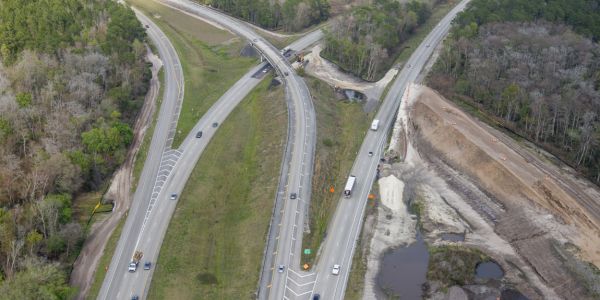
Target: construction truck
135,261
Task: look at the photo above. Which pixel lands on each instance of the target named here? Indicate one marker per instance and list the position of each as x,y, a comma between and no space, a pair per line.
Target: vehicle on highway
316,297
147,26
349,186
286,73
147,265
375,125
265,70
173,196
135,297
199,134
335,270
135,260
293,196
215,124
427,46
409,66
280,268
370,153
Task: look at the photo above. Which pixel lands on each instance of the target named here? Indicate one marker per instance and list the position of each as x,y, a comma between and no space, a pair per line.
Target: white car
336,270
132,267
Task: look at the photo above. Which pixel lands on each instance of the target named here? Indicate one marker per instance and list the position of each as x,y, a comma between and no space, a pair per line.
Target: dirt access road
86,264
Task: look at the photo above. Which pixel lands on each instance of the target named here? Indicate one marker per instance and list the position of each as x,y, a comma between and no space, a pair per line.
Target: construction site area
458,196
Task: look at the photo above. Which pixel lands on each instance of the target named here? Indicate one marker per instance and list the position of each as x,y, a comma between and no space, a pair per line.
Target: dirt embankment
535,208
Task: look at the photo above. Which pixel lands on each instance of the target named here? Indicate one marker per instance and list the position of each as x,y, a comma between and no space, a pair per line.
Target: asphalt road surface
150,215
299,162
161,141
344,229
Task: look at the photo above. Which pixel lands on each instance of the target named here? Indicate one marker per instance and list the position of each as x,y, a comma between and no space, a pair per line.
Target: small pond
488,270
403,270
354,95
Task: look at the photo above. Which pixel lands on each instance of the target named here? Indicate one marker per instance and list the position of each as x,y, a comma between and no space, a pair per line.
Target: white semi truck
349,186
375,125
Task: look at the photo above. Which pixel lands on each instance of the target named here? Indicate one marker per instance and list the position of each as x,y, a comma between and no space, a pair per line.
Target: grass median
341,128
209,57
214,244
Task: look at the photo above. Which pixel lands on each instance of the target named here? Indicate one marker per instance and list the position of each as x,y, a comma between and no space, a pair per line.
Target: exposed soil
330,73
538,221
86,264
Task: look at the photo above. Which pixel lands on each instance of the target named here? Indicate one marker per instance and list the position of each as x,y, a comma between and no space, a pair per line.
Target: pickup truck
135,261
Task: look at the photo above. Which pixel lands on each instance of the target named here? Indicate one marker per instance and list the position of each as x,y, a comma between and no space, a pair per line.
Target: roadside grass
83,206
209,68
184,23
356,279
215,241
341,128
104,262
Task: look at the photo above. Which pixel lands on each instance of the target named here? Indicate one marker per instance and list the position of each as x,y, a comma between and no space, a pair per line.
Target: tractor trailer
349,186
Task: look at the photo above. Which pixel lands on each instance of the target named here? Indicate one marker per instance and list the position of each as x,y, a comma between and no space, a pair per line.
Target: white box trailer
375,125
349,186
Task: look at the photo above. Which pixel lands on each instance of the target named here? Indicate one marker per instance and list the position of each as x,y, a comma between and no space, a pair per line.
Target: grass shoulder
215,241
341,128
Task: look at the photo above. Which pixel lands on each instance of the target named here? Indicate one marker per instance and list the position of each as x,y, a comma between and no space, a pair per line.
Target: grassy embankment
341,127
209,57
214,243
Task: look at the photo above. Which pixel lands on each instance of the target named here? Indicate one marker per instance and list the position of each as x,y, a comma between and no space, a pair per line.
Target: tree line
72,79
366,40
538,79
582,15
289,15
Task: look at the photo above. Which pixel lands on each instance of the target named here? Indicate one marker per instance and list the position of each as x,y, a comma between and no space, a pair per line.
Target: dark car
199,134
293,196
280,268
173,196
316,297
147,265
147,26
215,124
135,297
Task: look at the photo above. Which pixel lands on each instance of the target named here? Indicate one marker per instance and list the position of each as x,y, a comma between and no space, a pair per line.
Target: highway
298,160
344,229
157,153
167,170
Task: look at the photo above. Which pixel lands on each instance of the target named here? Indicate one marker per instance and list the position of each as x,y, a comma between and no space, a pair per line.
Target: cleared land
215,241
341,127
525,213
209,57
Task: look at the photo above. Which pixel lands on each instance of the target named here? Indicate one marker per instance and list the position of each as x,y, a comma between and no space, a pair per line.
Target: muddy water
453,237
403,270
488,270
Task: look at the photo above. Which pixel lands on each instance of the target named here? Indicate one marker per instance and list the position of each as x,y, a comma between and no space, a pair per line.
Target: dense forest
537,78
365,40
289,15
72,77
